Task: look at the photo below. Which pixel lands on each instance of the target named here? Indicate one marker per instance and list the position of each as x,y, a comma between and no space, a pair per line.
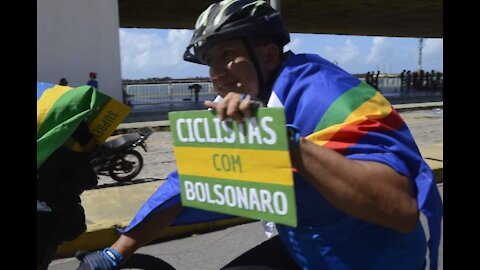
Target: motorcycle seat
145,131
122,140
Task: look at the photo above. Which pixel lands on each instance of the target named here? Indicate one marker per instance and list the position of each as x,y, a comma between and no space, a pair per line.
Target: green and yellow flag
60,109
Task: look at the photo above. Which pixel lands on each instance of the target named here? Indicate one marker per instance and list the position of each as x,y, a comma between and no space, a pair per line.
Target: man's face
231,69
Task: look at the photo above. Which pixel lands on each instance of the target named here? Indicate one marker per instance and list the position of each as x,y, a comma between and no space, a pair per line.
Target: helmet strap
264,88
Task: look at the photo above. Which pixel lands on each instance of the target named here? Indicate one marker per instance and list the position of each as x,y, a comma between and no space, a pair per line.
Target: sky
149,53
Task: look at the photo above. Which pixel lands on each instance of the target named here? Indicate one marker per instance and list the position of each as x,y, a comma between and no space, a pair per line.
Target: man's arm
367,190
146,232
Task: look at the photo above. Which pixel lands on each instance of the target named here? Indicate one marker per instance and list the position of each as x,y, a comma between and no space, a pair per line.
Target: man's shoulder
309,64
307,58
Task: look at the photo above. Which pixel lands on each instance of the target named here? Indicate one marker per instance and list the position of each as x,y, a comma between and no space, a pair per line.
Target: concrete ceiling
394,18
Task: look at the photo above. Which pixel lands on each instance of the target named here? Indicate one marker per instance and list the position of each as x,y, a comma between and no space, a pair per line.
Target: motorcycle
118,158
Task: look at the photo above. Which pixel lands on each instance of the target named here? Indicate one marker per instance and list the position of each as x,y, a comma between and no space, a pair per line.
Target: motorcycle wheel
126,165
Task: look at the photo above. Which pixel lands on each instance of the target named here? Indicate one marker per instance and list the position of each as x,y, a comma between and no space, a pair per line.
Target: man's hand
234,106
107,259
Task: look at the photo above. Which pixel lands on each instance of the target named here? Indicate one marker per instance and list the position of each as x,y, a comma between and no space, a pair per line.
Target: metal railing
180,92
146,94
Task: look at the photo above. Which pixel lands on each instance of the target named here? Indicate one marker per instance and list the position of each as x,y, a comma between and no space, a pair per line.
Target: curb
418,106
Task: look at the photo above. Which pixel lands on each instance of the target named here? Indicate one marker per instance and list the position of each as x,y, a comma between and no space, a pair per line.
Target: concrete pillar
77,37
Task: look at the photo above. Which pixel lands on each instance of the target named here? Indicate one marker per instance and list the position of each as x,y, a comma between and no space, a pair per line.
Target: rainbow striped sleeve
352,116
338,111
60,109
361,124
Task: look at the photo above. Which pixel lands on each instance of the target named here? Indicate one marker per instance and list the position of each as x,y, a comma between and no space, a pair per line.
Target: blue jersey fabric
326,238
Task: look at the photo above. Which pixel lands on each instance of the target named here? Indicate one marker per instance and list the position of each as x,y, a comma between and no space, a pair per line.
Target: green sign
235,168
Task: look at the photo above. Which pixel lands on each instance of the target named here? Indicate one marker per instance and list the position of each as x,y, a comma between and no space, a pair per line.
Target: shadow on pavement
146,262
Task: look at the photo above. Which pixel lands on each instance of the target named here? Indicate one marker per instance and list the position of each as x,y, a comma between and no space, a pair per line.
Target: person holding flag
69,121
360,181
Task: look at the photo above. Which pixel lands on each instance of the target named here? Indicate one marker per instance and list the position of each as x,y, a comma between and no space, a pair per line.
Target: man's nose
217,69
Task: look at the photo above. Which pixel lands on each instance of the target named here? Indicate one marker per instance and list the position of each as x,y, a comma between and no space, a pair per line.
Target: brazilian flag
60,109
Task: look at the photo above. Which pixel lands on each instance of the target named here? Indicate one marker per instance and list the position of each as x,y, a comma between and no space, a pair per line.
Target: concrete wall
75,37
